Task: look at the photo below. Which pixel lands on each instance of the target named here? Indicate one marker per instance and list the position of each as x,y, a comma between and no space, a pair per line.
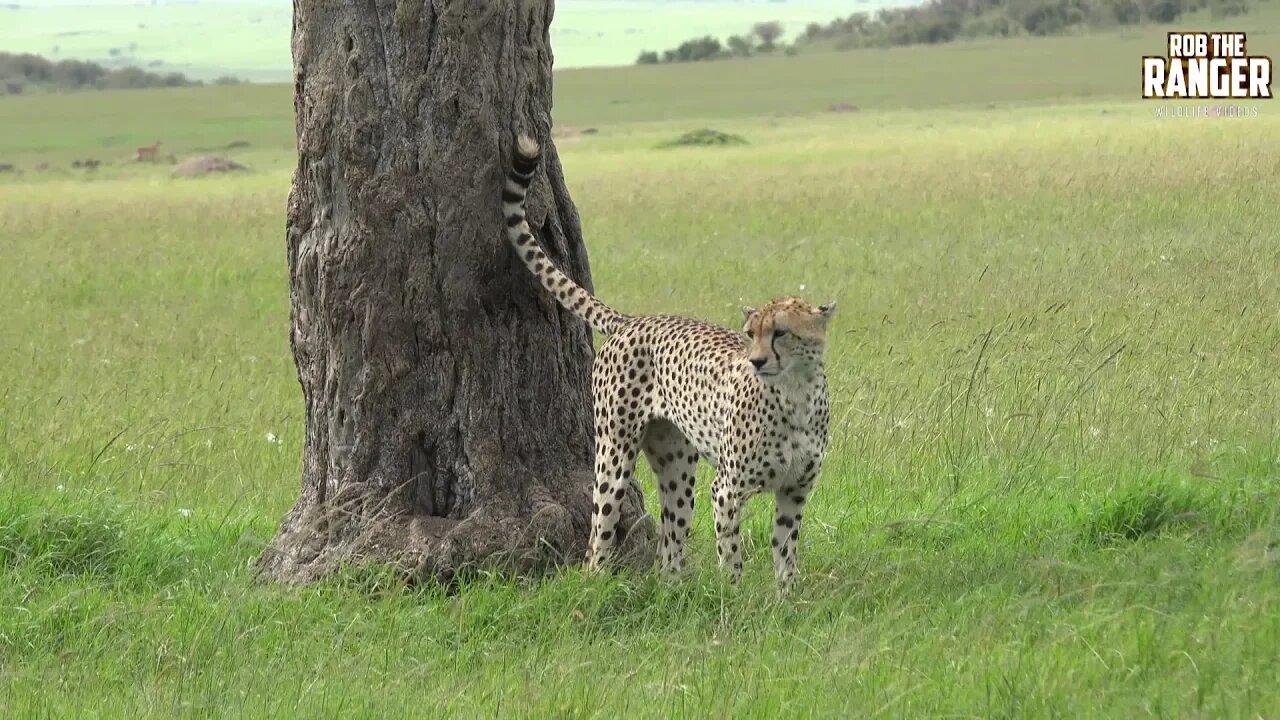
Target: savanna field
1054,482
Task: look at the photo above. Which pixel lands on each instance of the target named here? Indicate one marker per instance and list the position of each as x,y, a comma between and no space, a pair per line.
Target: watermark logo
1206,65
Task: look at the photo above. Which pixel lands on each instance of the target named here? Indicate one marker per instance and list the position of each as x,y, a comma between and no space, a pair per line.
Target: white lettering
1260,77
1153,77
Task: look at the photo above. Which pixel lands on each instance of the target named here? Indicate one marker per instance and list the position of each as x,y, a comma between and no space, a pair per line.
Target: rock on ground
206,165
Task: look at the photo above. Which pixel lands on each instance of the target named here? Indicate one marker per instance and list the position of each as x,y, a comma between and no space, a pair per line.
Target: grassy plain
1055,477
984,75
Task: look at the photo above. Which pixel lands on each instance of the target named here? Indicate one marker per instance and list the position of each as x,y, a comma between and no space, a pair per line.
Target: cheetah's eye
779,332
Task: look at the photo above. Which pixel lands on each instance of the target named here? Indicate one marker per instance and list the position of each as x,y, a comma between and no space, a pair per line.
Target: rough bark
448,409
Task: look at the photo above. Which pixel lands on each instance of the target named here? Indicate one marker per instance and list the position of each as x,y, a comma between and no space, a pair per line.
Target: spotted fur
753,404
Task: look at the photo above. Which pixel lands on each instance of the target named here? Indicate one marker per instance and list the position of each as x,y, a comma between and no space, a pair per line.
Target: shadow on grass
58,544
1142,511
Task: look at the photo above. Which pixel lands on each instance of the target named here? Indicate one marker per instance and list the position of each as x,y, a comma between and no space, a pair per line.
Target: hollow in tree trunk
448,410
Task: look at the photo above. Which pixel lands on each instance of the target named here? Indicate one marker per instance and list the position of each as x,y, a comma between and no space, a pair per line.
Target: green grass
1052,491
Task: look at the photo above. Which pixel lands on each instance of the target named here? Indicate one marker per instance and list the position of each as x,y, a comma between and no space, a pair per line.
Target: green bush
1164,11
1228,8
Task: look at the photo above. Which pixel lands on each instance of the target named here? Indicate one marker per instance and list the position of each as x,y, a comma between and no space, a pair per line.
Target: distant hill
939,21
25,73
205,39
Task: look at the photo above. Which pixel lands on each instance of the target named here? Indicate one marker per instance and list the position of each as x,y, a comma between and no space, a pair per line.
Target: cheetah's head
787,336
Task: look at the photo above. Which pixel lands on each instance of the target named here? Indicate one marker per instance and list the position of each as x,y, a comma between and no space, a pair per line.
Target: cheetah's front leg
728,506
787,513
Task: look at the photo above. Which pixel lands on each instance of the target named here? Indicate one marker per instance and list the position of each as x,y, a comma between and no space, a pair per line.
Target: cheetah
753,404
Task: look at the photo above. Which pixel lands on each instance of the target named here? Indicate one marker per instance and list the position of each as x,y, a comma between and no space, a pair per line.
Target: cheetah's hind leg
674,461
617,449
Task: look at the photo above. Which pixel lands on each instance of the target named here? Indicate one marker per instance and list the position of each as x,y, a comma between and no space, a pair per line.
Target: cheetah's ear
747,311
826,311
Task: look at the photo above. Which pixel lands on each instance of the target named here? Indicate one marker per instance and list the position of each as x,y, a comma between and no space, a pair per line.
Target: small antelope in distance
149,153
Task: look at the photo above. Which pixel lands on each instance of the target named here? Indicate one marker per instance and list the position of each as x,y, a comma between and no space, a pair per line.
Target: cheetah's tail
568,293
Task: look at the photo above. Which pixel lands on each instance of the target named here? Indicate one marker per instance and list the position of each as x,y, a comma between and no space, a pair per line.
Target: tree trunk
448,408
